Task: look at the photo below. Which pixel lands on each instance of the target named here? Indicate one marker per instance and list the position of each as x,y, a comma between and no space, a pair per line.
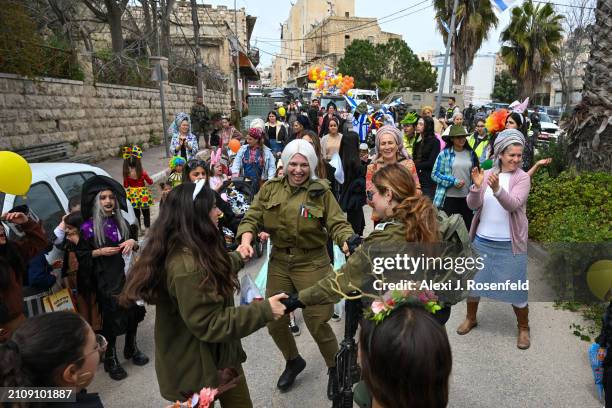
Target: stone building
326,42
304,15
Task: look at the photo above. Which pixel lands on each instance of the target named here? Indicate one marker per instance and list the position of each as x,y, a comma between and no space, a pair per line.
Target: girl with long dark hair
352,192
56,349
425,151
186,272
134,179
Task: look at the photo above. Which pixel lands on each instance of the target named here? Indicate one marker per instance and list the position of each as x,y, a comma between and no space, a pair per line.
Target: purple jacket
513,201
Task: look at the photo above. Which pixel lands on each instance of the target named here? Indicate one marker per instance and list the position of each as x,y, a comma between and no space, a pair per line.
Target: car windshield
544,117
340,103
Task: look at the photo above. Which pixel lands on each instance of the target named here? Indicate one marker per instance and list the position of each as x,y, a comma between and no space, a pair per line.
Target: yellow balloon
281,111
323,74
599,278
15,174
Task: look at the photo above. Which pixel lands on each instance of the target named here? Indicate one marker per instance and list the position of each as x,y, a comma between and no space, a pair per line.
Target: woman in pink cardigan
499,232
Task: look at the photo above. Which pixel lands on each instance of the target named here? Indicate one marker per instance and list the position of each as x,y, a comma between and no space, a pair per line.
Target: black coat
424,152
353,196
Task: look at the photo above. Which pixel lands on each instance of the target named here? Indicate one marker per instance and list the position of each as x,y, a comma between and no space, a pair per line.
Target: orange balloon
234,145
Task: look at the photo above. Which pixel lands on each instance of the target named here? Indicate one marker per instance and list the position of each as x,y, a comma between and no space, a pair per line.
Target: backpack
455,235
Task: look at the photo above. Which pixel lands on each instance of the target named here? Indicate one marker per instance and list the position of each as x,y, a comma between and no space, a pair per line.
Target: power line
564,5
292,58
358,27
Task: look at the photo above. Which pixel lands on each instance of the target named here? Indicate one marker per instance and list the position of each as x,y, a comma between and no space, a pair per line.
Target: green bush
570,208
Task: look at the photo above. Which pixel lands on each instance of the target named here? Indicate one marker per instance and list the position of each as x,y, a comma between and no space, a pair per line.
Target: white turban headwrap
300,146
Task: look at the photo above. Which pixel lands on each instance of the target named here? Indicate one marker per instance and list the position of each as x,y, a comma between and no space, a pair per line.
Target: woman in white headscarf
299,212
499,231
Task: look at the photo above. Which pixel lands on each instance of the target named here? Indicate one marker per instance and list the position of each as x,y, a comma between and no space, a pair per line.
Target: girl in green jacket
186,272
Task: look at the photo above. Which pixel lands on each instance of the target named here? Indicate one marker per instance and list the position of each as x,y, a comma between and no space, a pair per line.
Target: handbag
60,300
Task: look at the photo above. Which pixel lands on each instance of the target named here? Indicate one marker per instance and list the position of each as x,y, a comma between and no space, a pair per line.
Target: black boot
112,366
131,351
332,383
292,369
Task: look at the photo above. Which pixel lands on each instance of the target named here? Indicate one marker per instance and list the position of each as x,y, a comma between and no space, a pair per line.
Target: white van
53,185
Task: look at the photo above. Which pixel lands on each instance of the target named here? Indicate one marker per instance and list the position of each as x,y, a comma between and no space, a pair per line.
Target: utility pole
238,95
446,55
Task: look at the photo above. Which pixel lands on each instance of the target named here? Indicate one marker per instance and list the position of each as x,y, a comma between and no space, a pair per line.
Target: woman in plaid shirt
452,174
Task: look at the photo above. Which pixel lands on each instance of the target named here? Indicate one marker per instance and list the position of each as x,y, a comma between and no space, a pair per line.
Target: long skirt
501,268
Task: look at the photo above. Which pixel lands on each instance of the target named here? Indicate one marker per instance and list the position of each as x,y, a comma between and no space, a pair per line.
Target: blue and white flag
503,5
360,126
351,102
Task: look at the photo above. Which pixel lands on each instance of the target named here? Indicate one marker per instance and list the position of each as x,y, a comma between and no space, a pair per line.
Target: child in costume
134,179
219,170
176,165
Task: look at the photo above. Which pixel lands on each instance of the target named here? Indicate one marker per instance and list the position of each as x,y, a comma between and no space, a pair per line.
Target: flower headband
390,301
132,152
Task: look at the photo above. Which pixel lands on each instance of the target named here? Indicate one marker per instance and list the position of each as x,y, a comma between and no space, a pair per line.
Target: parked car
53,185
549,129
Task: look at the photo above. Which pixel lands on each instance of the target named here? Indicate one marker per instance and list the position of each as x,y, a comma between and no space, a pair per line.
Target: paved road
488,369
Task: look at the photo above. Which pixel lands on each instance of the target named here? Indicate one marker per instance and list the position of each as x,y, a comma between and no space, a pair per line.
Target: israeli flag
503,5
360,126
351,102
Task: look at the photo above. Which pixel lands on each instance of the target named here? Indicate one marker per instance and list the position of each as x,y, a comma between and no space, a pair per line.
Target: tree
589,133
404,68
531,41
110,12
504,89
361,61
577,22
475,18
392,63
198,52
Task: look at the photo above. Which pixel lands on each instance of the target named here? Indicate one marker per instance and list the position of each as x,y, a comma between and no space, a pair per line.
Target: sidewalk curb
160,175
537,251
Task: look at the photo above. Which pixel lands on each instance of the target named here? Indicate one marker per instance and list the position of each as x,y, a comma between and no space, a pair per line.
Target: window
43,202
347,40
71,184
416,97
347,14
371,38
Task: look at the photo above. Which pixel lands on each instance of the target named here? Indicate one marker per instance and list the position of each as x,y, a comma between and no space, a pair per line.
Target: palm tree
589,133
531,40
475,18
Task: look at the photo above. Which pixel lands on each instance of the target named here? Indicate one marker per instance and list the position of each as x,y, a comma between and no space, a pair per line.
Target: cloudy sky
416,25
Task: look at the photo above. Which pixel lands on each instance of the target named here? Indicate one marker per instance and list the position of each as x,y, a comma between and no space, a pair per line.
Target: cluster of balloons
326,82
15,174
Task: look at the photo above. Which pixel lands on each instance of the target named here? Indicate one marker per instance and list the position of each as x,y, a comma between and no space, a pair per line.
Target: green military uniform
235,118
198,332
200,118
389,239
299,220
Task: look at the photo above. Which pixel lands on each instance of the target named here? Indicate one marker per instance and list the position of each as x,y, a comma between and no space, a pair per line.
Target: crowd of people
307,176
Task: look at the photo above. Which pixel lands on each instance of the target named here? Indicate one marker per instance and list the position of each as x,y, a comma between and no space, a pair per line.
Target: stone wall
95,119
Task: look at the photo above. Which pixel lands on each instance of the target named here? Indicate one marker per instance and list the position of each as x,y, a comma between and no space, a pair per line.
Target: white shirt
494,219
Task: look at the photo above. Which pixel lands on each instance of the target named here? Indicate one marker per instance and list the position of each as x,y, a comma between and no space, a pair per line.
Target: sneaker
336,317
295,329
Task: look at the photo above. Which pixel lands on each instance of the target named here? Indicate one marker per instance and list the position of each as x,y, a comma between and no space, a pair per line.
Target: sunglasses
101,345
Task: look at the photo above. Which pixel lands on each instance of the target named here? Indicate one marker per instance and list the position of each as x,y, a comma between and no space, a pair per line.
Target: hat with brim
93,186
456,131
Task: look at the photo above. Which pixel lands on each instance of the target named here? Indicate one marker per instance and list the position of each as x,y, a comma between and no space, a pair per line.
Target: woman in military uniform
407,218
299,212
